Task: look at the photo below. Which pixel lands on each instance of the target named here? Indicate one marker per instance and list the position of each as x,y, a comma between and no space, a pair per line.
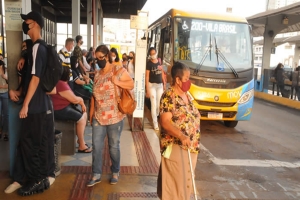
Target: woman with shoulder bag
105,116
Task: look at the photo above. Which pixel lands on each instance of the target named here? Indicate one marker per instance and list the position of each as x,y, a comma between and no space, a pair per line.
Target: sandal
85,144
87,150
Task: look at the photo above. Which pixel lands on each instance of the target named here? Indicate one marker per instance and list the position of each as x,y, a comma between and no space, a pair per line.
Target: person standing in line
77,53
131,64
105,116
115,56
3,101
37,138
297,87
280,76
154,84
125,61
180,121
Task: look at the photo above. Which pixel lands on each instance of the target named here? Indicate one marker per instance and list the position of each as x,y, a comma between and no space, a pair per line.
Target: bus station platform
140,158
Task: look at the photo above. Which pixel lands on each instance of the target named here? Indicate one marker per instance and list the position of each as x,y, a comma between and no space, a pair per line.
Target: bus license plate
212,115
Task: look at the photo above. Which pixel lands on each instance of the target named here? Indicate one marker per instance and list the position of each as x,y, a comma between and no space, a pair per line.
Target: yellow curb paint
278,100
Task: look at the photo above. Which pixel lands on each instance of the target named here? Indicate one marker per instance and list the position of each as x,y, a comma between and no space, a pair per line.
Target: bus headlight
246,97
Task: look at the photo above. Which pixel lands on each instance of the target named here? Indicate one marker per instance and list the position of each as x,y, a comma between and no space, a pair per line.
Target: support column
296,56
75,18
26,8
101,28
100,25
94,24
89,23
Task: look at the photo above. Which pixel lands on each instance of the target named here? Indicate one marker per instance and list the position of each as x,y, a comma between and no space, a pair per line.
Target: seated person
65,105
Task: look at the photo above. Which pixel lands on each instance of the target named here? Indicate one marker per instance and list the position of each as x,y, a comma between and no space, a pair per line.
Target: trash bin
57,151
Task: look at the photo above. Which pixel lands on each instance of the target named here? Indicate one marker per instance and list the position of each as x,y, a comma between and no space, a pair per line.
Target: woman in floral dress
180,121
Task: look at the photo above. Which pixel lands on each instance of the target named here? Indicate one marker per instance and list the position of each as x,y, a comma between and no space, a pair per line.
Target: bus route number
213,27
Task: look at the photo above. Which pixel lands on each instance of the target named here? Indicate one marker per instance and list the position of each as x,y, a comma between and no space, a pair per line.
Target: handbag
126,101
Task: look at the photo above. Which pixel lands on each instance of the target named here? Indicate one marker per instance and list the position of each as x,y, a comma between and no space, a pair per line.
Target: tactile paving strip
117,196
148,165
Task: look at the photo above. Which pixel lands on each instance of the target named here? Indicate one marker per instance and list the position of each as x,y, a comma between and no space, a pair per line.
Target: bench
68,141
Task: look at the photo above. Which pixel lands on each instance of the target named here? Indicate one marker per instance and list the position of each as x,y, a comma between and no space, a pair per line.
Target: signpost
139,22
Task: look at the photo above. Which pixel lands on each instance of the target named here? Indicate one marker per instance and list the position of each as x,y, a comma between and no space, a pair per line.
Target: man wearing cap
37,137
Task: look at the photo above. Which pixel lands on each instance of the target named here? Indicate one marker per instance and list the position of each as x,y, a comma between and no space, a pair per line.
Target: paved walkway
140,159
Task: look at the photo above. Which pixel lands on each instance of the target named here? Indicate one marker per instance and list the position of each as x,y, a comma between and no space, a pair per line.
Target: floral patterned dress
185,117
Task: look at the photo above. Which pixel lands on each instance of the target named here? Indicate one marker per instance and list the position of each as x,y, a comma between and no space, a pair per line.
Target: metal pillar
94,24
75,18
99,26
89,23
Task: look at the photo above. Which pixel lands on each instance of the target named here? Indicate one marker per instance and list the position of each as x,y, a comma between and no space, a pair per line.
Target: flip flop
85,150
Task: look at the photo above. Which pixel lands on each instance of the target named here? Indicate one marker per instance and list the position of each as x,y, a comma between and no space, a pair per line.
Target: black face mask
25,27
101,63
24,53
130,57
124,59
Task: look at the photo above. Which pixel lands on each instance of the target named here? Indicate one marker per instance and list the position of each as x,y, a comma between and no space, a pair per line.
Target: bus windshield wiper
218,52
204,57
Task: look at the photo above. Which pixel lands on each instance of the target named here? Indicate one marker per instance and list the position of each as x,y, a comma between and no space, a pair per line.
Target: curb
278,100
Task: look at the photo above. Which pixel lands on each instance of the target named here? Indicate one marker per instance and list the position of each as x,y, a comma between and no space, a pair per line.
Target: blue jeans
4,112
113,133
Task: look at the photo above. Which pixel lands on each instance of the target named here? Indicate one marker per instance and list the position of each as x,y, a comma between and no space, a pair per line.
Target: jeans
156,90
4,112
113,133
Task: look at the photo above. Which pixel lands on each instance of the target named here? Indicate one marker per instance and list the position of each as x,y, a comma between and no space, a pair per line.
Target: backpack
53,69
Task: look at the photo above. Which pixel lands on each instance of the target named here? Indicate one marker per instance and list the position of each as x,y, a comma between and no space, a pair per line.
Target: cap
35,16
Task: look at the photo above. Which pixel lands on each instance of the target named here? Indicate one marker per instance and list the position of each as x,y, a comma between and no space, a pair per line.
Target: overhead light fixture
285,20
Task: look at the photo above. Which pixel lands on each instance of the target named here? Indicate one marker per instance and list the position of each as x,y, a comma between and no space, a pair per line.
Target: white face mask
153,57
113,58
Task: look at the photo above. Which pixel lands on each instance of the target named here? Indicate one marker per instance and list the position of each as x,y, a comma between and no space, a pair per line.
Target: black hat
35,16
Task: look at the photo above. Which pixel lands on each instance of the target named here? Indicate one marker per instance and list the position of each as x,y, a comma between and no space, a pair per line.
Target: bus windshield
206,45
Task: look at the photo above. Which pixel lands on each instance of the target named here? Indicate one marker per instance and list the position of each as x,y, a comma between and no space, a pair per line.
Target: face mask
81,42
185,86
130,57
124,59
113,58
153,57
101,63
25,28
24,53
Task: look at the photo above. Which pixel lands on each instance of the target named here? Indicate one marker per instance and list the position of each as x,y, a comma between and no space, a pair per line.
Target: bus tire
230,124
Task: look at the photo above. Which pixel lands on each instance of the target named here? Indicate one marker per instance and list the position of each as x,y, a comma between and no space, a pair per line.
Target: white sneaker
156,129
12,187
51,180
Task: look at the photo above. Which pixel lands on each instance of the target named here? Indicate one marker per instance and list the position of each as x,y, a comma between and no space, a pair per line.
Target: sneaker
93,182
156,129
114,179
31,188
12,187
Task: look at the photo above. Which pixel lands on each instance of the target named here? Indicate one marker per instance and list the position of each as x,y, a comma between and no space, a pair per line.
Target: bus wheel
230,124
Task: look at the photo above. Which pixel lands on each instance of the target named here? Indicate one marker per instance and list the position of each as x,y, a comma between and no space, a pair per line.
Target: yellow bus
218,50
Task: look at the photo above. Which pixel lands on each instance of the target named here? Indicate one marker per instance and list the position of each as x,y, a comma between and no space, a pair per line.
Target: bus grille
215,104
225,114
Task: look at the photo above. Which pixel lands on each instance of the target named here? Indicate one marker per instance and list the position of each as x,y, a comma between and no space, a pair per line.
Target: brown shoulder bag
126,101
